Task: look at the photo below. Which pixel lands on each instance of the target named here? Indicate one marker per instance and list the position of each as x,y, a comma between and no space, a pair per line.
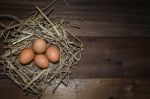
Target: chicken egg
39,46
53,54
26,56
41,61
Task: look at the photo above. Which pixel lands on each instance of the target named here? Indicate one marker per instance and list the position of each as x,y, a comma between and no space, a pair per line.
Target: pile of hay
21,34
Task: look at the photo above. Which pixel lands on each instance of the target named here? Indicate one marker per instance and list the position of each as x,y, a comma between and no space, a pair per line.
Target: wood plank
109,29
105,29
102,18
10,91
100,88
79,7
114,57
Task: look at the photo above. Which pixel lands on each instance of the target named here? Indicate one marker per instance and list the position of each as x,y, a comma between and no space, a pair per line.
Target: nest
21,34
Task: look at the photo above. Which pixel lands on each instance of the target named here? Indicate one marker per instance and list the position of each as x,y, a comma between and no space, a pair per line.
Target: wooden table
116,61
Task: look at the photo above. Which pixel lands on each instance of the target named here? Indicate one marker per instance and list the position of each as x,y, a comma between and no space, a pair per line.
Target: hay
21,34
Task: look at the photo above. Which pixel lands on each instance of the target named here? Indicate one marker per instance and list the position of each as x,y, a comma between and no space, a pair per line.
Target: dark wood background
116,34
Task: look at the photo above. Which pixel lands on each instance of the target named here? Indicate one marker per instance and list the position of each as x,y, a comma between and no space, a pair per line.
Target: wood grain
102,18
100,88
117,48
113,57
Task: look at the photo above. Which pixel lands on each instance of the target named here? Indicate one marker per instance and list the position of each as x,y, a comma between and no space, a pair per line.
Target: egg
26,56
41,61
39,46
53,54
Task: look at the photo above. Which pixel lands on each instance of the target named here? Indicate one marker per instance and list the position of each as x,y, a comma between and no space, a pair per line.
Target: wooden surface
102,88
102,18
117,47
116,34
114,57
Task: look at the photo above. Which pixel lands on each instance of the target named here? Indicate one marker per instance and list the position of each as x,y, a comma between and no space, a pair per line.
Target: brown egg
26,56
41,61
39,46
53,54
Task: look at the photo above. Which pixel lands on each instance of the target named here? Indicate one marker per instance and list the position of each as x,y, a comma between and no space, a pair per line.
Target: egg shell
26,56
39,46
41,61
53,54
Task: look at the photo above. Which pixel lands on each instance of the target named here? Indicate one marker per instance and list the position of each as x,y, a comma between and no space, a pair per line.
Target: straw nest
21,34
